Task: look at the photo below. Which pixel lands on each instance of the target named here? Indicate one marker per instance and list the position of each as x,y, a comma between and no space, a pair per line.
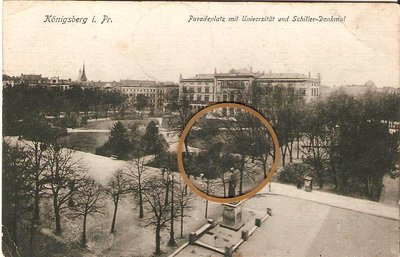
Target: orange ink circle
185,132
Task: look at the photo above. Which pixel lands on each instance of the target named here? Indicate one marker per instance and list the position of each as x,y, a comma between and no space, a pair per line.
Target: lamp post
207,189
171,241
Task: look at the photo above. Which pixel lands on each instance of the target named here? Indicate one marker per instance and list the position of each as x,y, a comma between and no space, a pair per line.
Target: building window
206,98
207,89
302,91
199,90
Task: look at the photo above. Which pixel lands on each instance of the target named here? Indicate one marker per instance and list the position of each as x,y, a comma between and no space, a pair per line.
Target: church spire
83,75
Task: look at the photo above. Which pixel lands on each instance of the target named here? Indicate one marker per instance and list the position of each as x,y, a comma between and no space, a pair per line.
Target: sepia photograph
210,129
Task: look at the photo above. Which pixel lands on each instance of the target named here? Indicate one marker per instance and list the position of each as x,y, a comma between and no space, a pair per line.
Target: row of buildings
201,89
39,80
158,94
235,85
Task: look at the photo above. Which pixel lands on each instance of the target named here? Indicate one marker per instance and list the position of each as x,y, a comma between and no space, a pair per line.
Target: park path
70,130
334,200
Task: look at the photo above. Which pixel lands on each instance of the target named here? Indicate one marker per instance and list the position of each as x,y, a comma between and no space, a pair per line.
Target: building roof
283,76
249,73
201,77
137,83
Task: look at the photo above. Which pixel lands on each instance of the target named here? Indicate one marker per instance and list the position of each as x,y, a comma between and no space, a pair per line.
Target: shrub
293,172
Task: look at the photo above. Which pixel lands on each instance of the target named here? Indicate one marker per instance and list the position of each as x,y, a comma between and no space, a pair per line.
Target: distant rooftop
283,76
137,83
249,72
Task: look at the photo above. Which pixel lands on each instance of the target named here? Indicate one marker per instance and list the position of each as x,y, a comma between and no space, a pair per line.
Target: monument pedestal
232,216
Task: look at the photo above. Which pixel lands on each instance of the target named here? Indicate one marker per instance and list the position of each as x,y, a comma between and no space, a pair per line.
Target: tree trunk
166,193
58,221
290,148
171,241
335,180
264,164
344,186
298,147
206,214
114,217
182,219
141,211
224,186
241,174
283,151
57,214
320,180
34,227
83,241
35,216
14,232
158,240
186,146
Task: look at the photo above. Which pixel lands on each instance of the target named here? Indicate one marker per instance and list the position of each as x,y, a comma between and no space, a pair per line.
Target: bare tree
88,201
244,134
62,175
38,168
137,176
184,199
316,146
159,212
17,201
117,188
182,105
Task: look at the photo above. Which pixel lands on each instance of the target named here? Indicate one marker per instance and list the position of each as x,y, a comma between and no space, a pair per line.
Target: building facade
155,92
235,85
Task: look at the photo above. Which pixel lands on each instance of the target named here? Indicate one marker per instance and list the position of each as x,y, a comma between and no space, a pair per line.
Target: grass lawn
89,141
86,142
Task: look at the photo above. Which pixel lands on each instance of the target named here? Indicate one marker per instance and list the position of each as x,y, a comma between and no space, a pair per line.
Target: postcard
206,129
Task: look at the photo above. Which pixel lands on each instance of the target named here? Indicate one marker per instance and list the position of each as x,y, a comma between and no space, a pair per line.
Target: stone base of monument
232,216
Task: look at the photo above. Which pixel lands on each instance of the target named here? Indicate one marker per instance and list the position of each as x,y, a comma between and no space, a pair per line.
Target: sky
155,41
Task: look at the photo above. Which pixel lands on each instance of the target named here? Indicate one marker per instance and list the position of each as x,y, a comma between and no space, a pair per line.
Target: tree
171,183
152,141
41,134
142,102
341,114
137,176
373,155
202,165
359,146
244,133
263,148
182,105
184,203
62,179
159,212
315,149
118,143
283,107
17,201
117,188
88,201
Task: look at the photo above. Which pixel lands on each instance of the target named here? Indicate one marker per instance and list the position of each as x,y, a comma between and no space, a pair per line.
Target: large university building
235,85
